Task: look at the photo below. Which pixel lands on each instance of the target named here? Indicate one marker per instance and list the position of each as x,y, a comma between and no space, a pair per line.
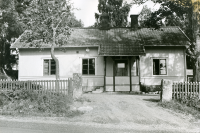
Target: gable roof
119,41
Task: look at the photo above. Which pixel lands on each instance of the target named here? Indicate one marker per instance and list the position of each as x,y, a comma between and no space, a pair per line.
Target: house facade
118,59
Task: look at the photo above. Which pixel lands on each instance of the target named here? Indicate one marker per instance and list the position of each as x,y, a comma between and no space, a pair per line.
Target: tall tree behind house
112,13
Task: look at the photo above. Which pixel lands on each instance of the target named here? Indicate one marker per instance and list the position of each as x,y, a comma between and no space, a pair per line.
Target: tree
144,15
75,22
112,13
182,13
10,28
48,21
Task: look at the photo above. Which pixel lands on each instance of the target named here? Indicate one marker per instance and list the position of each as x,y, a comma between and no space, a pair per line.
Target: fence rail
40,86
182,89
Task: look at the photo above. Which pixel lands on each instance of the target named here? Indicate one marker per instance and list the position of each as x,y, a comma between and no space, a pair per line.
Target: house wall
31,64
175,58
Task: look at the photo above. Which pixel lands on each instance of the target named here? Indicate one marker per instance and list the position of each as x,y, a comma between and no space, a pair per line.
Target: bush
190,100
182,108
150,88
23,102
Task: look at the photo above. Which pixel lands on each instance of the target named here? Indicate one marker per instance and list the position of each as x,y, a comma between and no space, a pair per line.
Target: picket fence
182,89
40,86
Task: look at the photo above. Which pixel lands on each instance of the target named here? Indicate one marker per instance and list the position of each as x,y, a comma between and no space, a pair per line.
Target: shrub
182,108
150,88
33,103
190,100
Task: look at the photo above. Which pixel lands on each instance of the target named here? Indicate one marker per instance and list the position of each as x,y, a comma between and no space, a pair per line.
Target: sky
87,9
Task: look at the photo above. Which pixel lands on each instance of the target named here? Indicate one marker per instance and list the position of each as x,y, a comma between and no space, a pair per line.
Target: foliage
112,13
150,88
48,21
144,15
10,28
179,107
31,103
191,100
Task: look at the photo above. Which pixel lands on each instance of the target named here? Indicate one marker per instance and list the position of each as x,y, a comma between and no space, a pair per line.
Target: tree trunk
56,61
54,57
195,66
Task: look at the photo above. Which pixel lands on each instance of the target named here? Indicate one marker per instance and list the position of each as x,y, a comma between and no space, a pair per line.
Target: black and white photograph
99,66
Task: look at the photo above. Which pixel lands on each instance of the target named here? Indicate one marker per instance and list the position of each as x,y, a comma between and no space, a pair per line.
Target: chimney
134,21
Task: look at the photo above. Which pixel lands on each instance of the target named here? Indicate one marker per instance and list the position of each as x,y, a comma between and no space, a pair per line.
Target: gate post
166,88
70,89
77,85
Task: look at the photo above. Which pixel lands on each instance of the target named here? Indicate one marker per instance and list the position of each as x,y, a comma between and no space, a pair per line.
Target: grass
181,108
26,103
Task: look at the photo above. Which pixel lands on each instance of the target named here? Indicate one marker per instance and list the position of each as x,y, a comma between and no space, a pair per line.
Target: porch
121,73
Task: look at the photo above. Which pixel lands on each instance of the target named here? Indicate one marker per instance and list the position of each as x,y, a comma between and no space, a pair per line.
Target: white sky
87,9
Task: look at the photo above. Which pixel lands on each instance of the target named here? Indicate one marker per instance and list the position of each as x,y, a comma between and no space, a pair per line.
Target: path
115,113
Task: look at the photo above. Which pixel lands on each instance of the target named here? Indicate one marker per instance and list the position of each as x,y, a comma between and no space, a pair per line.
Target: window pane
85,72
53,62
53,67
46,67
163,67
155,66
53,72
88,66
85,66
91,72
121,69
91,61
85,61
91,67
121,65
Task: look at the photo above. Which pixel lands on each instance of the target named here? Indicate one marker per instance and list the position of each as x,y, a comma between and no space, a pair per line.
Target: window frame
49,68
88,66
160,58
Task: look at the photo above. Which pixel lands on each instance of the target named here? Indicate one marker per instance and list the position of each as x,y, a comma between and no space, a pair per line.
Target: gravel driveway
135,111
123,112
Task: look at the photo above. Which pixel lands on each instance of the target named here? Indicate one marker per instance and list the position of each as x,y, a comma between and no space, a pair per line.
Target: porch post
138,69
185,65
105,73
113,74
130,74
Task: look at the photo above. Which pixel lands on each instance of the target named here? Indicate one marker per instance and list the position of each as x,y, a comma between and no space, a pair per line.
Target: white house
118,59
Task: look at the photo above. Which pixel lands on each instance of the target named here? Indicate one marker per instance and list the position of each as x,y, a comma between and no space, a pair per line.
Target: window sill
159,75
49,75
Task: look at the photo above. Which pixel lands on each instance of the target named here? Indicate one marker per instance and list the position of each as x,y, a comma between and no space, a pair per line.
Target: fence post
166,86
70,89
77,85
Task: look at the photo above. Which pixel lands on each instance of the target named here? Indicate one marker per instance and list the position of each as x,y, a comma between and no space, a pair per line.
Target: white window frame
49,73
81,70
160,58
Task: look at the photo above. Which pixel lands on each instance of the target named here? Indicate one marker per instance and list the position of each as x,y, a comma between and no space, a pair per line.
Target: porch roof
119,41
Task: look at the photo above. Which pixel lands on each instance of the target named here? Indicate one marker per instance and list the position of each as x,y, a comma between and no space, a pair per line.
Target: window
88,67
49,67
121,68
159,67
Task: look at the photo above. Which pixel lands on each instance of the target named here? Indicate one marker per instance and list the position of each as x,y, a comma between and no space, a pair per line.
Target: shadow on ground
152,100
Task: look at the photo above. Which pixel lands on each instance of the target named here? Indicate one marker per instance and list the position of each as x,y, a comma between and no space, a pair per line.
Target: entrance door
121,68
122,80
